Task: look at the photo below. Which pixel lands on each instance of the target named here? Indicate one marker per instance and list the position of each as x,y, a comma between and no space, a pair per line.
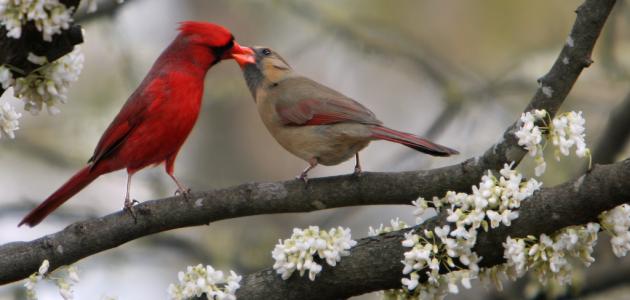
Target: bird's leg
304,175
357,166
170,169
128,205
181,189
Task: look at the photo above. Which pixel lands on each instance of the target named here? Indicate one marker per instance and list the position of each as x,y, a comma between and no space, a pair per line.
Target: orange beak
243,55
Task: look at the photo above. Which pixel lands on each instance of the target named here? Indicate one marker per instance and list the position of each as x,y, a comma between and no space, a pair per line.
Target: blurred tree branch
615,135
610,61
433,66
107,9
14,52
601,189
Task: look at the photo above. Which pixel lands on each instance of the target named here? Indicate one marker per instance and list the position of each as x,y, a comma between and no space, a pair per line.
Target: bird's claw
302,177
357,171
128,206
184,193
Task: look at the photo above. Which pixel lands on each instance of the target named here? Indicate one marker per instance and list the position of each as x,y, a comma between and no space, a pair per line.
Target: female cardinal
156,119
312,121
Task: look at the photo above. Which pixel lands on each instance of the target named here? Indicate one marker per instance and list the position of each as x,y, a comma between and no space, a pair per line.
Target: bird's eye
266,52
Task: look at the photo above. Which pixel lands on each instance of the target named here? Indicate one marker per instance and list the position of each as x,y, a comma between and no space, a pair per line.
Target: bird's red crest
210,34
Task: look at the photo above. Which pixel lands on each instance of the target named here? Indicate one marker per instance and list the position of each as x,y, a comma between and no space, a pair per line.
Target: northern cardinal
157,118
313,121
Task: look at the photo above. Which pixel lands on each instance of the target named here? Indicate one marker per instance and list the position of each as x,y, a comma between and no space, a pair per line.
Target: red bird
313,121
156,120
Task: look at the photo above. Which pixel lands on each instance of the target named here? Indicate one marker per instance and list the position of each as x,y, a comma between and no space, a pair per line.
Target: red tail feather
411,141
69,189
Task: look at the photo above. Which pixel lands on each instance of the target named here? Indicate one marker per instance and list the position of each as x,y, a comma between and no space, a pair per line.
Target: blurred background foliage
456,71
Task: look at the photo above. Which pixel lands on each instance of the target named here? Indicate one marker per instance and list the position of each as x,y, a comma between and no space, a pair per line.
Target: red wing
325,111
130,115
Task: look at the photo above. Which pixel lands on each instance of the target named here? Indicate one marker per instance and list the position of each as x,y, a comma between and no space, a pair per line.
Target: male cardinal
157,118
313,121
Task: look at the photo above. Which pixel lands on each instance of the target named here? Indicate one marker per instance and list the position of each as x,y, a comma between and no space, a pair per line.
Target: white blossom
515,254
568,132
548,256
37,59
199,280
43,269
298,252
64,283
411,282
529,135
6,77
395,224
565,132
49,16
617,223
9,120
49,84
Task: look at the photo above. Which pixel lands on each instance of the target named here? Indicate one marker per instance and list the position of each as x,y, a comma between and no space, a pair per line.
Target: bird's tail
65,192
414,142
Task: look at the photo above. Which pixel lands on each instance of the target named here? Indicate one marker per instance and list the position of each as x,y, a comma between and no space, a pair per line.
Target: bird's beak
243,55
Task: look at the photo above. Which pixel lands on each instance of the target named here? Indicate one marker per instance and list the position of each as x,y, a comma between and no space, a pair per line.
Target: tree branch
374,263
20,259
108,9
615,134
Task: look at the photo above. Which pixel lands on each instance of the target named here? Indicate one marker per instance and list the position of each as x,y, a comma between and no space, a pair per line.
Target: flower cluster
65,285
199,280
395,224
34,278
8,120
548,256
49,84
46,85
298,252
493,202
49,16
426,252
530,137
617,222
565,132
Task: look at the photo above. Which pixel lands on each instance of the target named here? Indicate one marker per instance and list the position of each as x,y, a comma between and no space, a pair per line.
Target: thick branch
82,239
374,264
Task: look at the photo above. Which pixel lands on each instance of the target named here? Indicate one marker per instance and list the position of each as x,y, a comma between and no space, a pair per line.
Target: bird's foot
184,193
303,176
357,171
128,206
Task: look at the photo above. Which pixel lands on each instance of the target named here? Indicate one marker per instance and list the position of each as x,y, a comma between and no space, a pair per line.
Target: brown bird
313,121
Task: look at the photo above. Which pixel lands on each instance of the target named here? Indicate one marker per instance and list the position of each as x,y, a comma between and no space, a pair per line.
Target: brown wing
310,103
